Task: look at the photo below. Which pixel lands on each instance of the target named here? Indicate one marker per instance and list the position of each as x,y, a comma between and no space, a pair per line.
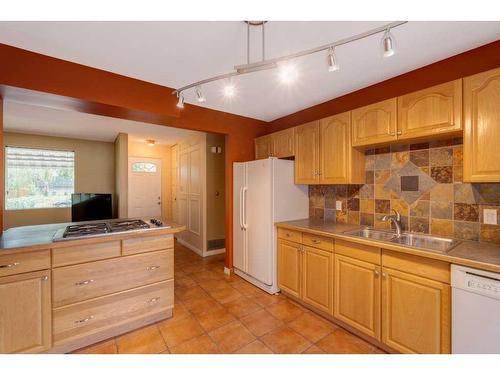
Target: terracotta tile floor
215,313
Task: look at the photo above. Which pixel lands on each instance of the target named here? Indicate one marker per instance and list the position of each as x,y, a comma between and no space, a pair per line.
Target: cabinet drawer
420,266
74,254
11,264
358,251
290,235
80,282
320,242
145,244
103,313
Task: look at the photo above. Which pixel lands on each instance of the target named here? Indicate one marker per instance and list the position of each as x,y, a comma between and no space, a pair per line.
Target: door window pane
37,178
144,167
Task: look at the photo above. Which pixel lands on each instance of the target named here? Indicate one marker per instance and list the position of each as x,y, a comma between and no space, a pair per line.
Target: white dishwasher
475,311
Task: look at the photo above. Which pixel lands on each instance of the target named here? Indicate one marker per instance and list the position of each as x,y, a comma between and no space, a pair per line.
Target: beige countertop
35,237
480,255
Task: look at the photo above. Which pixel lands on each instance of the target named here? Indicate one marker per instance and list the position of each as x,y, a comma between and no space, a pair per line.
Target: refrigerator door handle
241,207
244,220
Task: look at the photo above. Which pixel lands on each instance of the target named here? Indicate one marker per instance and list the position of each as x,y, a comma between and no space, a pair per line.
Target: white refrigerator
264,193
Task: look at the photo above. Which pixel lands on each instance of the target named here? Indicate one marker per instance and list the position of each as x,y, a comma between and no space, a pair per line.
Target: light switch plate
338,205
490,216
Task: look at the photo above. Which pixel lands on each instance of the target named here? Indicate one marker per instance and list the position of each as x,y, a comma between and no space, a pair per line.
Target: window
38,178
144,167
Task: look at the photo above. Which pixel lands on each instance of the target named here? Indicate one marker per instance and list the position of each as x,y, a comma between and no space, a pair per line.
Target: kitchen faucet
396,219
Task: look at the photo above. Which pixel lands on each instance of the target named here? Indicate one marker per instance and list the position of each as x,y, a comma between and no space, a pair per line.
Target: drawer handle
10,265
316,241
288,235
84,320
152,268
154,300
84,282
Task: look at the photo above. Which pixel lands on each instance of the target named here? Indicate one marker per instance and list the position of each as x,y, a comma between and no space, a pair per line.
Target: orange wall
96,91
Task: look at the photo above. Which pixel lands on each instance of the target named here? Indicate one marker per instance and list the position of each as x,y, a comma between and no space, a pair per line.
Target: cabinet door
482,130
263,147
433,111
357,294
339,162
317,286
289,267
283,143
415,313
25,320
374,123
307,153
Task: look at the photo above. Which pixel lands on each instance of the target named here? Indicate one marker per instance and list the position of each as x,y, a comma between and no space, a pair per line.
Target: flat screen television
90,206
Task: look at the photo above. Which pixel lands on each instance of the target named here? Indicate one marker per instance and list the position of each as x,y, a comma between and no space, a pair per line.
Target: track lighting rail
273,63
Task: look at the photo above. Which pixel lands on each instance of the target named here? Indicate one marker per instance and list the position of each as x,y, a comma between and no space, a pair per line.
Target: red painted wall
470,62
96,91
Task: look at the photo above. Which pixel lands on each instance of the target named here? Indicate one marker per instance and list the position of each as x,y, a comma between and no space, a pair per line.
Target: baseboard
209,253
190,247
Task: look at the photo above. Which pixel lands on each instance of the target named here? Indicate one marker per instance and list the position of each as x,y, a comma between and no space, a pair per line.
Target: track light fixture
199,95
180,102
287,71
332,61
388,43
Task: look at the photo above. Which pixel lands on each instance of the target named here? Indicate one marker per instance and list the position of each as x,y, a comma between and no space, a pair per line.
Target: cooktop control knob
157,222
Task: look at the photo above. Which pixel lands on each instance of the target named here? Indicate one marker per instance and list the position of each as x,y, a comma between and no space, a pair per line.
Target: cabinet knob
376,273
84,282
154,300
399,132
84,320
45,278
384,274
10,265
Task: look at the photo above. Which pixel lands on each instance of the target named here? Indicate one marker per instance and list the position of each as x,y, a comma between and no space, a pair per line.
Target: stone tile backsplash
423,182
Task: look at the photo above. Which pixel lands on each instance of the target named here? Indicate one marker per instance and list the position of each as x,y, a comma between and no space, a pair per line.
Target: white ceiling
25,118
177,53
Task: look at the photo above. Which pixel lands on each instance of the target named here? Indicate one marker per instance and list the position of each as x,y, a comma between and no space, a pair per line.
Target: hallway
215,313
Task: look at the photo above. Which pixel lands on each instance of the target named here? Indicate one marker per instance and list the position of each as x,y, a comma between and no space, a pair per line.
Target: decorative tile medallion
424,184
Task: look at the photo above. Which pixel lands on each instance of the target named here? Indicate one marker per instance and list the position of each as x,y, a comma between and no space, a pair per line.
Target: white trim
209,253
189,246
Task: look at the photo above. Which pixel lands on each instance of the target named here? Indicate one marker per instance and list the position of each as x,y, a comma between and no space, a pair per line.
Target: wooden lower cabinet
25,319
289,267
357,294
415,313
317,278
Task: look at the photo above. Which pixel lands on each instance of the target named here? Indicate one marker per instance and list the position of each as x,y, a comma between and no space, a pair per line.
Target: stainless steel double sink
421,241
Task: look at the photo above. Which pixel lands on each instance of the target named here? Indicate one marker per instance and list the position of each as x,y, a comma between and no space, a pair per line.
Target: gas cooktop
90,229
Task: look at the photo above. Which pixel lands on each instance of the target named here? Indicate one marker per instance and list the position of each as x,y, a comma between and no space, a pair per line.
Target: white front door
144,187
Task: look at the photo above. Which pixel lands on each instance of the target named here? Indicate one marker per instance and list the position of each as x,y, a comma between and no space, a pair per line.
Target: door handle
245,224
240,213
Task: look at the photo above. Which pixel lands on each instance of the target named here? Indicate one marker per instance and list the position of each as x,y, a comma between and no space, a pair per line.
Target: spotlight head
332,61
199,95
180,102
388,44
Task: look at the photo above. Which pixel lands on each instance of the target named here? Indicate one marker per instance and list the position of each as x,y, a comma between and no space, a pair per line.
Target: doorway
144,187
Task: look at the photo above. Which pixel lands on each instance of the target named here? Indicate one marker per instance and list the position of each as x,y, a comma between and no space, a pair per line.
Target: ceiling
30,119
178,53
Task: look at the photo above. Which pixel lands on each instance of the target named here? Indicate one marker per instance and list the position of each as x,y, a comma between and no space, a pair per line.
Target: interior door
144,187
258,220
239,234
175,177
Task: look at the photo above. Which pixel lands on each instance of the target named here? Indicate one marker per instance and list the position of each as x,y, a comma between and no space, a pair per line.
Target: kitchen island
58,294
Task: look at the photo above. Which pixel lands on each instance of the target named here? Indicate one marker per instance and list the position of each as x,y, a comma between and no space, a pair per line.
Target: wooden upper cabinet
263,147
290,267
317,278
357,294
482,127
25,319
374,123
431,112
340,163
283,143
307,153
416,313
